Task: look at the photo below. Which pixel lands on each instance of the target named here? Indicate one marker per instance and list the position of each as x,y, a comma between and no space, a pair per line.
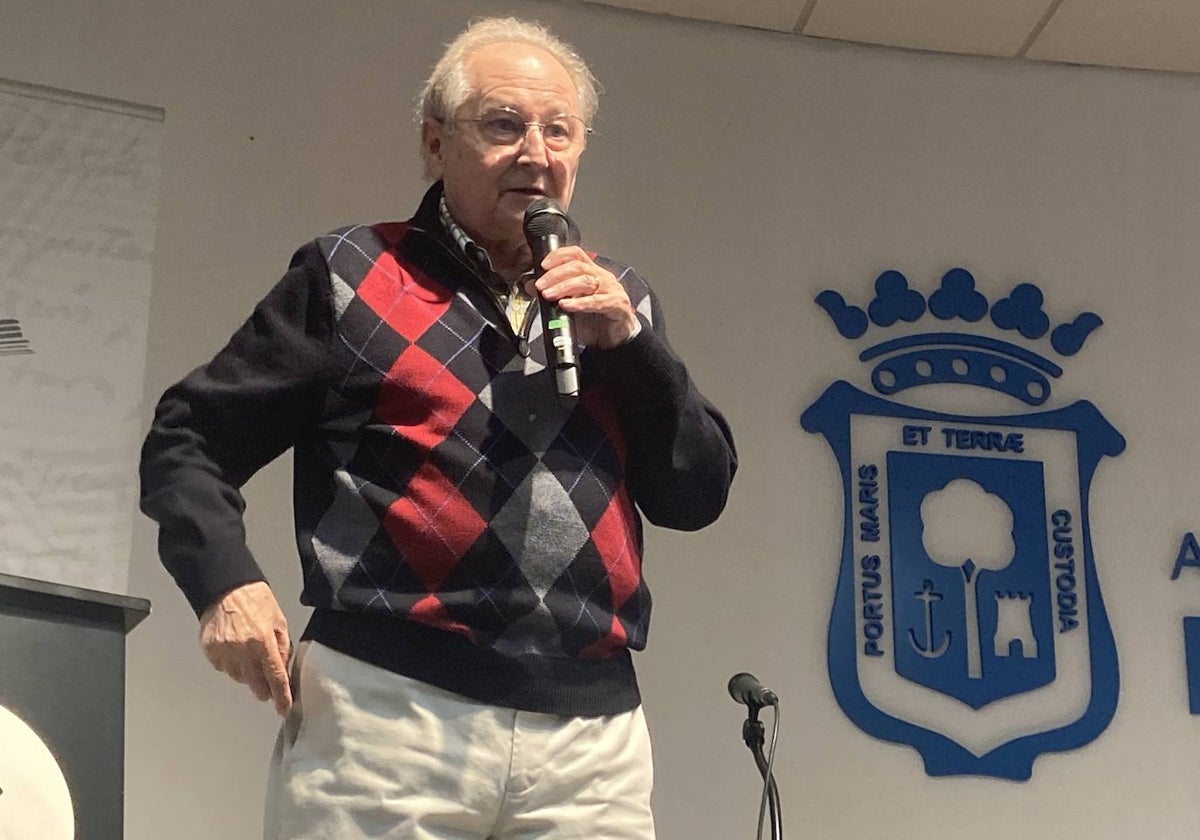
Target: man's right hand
245,635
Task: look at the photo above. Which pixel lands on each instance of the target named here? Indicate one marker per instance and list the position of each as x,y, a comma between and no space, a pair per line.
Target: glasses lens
559,133
501,127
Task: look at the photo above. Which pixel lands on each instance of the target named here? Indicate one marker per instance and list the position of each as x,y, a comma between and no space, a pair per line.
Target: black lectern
62,671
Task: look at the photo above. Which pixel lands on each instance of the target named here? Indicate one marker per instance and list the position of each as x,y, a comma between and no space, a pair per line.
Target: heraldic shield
967,620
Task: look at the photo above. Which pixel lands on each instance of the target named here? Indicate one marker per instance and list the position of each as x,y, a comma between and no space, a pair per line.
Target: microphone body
747,690
547,228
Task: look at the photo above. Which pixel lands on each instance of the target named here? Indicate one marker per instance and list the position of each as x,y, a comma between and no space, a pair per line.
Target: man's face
488,186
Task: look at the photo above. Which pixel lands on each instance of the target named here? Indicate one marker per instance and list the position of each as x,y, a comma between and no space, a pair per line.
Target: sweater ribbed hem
574,687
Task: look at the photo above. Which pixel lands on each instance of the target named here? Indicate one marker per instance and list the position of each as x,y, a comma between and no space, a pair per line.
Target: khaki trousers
369,754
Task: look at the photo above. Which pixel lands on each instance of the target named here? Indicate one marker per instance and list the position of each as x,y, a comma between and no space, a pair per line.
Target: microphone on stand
547,228
747,690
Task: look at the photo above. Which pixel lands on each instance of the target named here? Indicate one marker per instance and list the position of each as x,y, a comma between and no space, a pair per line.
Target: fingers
566,254
580,286
255,674
262,669
245,635
573,280
571,273
284,642
276,673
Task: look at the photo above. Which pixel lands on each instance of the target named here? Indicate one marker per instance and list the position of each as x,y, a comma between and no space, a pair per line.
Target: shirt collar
475,253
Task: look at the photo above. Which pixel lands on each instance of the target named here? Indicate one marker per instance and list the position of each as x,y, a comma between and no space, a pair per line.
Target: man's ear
433,140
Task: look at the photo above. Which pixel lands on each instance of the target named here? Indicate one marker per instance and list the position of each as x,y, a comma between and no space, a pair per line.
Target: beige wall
743,172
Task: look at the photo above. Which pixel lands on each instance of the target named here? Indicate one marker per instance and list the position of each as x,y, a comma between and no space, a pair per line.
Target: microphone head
545,217
740,684
746,689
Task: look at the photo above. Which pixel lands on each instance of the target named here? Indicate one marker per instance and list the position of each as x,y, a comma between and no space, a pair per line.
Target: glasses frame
517,116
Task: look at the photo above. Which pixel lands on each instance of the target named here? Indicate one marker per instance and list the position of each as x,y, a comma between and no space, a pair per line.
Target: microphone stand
753,733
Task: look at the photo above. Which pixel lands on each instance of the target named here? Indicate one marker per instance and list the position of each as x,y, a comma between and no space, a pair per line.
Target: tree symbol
969,528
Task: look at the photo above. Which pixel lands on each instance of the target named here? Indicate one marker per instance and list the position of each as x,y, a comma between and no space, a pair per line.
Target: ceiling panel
981,27
779,15
1152,34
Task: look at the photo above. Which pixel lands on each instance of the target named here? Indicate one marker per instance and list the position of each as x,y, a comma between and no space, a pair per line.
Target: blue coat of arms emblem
968,620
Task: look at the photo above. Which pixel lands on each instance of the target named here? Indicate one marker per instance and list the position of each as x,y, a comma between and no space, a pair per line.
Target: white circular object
35,803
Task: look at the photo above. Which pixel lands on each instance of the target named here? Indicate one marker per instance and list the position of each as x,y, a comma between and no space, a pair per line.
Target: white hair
447,87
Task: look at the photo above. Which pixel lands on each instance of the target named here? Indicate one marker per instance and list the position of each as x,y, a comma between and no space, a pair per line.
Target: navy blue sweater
455,521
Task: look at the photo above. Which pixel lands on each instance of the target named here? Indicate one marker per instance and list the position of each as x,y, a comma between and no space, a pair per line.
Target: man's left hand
604,315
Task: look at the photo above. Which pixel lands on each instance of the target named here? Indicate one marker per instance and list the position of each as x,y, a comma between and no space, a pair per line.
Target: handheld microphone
547,228
747,690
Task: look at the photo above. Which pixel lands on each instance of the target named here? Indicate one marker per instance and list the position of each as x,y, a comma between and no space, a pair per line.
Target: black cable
771,791
753,735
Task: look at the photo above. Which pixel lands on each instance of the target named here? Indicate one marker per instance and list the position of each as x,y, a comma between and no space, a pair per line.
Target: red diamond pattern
619,549
429,610
408,303
607,646
432,525
421,398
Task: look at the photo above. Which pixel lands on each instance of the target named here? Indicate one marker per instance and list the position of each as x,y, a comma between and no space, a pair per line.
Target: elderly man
471,544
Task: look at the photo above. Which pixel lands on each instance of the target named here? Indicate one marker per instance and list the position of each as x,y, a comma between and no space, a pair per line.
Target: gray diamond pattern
540,529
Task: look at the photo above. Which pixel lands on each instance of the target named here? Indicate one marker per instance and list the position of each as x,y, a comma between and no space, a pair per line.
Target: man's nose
533,145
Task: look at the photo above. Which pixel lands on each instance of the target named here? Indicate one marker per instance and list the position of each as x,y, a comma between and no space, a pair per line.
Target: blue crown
940,357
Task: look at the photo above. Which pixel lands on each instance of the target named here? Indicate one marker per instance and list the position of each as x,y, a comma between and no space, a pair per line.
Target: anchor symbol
927,650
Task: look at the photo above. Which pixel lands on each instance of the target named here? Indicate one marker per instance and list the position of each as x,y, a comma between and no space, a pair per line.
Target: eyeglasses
507,127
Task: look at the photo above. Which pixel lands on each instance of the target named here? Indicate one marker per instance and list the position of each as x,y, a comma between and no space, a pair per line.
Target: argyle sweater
456,522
